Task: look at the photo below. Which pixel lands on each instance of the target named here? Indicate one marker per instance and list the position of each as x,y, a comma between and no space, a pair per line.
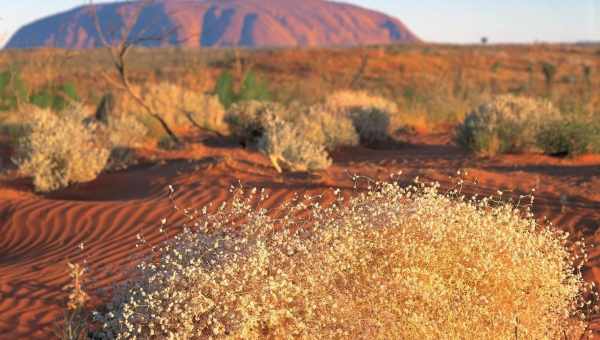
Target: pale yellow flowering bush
286,147
507,124
325,126
125,131
176,105
60,149
389,263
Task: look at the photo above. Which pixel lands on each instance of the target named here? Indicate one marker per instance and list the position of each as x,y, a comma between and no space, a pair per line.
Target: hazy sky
433,20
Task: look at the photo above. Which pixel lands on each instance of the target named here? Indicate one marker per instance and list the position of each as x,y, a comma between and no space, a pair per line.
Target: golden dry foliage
60,149
390,263
179,107
349,99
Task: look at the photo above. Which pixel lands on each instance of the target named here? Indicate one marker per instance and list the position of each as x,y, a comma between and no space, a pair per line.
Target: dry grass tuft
75,325
389,263
350,100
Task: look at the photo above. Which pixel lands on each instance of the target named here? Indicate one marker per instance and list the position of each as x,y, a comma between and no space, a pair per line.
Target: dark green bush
569,138
12,90
224,89
251,89
56,98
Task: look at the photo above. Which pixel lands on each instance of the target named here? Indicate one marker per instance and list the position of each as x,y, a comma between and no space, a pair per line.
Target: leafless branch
119,52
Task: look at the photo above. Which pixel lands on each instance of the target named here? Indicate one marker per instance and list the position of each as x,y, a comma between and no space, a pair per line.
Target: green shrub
224,89
569,138
507,124
60,149
56,98
251,89
12,90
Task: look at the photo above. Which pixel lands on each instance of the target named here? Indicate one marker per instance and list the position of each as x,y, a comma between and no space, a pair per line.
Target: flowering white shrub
506,124
389,263
60,149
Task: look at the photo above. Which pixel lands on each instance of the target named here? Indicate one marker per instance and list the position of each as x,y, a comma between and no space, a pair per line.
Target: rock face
219,23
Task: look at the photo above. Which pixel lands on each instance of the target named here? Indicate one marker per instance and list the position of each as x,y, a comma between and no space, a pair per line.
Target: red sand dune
218,23
40,234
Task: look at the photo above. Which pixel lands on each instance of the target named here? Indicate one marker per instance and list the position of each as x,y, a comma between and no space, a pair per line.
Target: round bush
570,138
507,124
61,149
390,263
286,146
371,124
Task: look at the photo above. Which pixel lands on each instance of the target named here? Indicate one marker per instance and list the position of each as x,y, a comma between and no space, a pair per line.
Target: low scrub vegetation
250,89
286,146
60,148
388,263
370,115
296,138
178,106
507,124
570,138
511,124
325,126
349,100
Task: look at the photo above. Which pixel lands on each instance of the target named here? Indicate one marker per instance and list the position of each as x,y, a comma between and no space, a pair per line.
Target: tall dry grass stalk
75,325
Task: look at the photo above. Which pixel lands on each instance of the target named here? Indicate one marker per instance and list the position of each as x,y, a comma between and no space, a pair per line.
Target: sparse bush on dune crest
389,263
60,149
507,124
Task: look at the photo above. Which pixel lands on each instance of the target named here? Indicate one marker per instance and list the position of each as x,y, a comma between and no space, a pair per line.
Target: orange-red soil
40,234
